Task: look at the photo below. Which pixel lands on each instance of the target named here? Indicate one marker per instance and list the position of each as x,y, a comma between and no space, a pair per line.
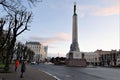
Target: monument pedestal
76,62
75,59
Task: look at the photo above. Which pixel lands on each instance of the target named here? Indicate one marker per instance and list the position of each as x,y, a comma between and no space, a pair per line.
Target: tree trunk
7,61
9,53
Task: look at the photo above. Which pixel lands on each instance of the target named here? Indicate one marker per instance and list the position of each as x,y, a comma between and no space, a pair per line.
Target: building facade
108,58
91,58
103,58
39,50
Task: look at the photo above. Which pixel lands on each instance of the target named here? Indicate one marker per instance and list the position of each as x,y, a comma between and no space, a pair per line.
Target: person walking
23,69
16,64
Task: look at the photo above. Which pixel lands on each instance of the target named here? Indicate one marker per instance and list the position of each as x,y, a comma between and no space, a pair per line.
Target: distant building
43,52
103,58
40,51
46,50
108,58
91,58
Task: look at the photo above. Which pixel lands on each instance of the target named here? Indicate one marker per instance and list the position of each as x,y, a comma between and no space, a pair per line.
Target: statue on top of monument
74,7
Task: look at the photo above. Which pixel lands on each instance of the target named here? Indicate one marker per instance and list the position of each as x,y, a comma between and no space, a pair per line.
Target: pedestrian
16,64
23,68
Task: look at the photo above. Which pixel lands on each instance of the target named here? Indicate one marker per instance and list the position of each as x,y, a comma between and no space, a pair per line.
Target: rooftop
33,43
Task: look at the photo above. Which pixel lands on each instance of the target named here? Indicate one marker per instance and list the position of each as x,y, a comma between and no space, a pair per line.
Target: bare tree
2,38
23,52
17,20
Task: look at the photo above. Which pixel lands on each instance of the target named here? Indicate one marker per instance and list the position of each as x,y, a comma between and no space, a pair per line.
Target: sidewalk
30,74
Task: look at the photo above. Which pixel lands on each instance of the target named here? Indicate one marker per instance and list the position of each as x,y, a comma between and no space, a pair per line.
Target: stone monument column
74,45
74,57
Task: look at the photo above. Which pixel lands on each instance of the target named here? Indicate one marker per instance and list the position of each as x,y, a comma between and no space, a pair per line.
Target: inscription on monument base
76,55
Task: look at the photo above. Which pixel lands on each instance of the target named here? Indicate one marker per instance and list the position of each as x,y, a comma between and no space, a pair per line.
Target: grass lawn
2,66
2,69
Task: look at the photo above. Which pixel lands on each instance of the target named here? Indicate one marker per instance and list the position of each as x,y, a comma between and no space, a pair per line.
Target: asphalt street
76,73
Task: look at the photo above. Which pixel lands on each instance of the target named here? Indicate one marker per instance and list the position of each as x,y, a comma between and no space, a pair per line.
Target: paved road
75,73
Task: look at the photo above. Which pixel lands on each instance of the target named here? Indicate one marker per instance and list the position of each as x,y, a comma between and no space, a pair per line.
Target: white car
33,62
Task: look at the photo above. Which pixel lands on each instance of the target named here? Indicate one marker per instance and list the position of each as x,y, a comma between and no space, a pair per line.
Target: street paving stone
30,74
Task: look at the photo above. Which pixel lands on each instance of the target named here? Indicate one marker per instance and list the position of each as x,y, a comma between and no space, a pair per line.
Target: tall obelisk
74,57
74,46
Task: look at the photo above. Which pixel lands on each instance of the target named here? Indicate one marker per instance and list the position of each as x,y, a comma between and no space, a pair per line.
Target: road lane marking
67,76
50,75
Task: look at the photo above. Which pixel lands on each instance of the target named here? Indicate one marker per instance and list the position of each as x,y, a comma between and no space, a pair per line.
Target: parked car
33,62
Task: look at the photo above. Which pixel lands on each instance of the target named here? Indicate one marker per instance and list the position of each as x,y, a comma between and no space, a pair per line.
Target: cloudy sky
98,25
